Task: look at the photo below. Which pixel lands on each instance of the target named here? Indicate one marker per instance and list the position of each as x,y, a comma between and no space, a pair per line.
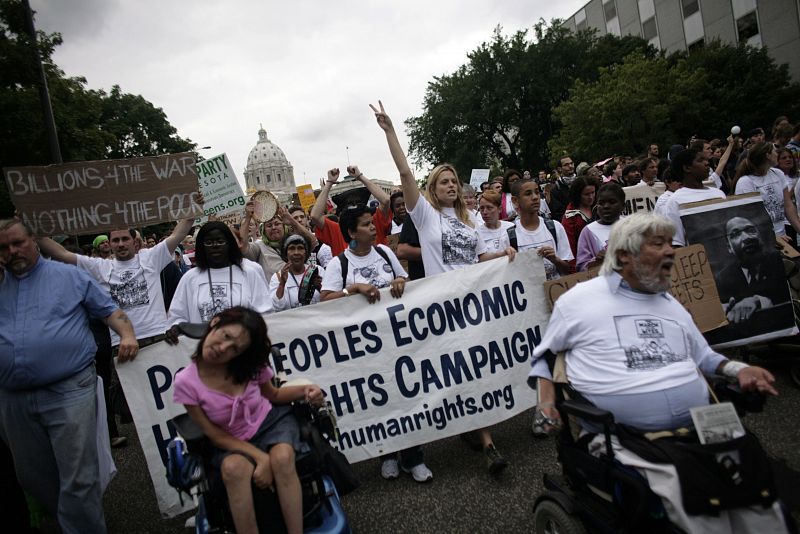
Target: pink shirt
239,416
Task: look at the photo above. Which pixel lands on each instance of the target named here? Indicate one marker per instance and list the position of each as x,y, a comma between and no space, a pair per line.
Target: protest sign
692,285
221,190
95,196
748,270
642,197
148,382
477,177
450,356
305,194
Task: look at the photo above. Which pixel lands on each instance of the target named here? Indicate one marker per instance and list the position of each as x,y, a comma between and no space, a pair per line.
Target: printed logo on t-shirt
650,342
372,273
131,291
773,201
220,301
459,242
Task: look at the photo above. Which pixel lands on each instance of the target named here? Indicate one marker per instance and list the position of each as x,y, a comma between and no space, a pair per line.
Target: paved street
461,498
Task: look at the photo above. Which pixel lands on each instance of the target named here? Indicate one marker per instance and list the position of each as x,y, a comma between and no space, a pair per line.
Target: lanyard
211,287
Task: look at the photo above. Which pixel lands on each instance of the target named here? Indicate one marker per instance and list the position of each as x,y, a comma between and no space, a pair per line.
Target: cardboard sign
748,269
642,197
305,194
221,189
692,285
477,177
91,197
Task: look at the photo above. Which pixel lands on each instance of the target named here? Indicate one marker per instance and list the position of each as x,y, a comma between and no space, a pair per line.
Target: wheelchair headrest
193,330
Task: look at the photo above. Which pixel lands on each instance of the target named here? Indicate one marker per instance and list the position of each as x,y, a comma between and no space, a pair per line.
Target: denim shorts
279,426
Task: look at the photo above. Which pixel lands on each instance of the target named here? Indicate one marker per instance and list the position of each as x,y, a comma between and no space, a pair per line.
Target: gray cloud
307,71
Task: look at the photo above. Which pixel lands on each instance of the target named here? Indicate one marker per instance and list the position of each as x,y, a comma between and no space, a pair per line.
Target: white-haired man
635,352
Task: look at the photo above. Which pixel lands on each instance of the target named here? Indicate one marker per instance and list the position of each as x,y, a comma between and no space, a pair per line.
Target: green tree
497,107
667,100
631,105
91,124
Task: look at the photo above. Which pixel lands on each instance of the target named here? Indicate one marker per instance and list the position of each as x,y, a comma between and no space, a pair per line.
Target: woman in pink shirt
227,391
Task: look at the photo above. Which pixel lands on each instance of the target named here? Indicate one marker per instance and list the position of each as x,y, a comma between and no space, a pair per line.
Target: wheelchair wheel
550,518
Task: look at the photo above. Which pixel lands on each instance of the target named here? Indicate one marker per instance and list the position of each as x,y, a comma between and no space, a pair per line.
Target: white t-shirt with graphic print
619,341
370,269
197,302
496,240
541,237
135,286
771,187
447,243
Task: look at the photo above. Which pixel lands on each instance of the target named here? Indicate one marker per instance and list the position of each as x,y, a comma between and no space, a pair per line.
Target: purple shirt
239,416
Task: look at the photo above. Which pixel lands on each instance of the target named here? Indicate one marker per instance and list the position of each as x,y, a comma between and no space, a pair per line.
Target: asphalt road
462,497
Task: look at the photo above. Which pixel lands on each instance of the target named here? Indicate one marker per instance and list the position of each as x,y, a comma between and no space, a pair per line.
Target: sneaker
494,460
119,441
472,440
540,420
390,469
420,472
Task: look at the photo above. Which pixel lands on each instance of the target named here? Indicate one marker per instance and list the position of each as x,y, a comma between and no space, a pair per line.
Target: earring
353,244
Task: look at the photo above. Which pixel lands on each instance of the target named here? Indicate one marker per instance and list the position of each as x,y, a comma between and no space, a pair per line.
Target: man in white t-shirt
690,167
633,349
132,277
534,232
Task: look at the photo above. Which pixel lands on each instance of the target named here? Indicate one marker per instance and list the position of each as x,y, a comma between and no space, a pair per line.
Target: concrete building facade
680,25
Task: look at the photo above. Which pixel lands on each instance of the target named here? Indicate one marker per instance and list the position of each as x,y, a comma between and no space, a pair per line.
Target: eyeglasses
219,243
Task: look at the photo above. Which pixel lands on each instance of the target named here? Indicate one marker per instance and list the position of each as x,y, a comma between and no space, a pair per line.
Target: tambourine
265,206
306,291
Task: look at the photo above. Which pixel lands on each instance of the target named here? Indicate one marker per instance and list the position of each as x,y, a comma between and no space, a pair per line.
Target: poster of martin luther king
748,269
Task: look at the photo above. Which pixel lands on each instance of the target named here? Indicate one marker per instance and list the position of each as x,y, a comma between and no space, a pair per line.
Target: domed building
268,168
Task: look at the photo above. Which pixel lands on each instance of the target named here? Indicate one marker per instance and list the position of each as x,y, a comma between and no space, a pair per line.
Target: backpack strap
344,262
551,227
385,257
512,237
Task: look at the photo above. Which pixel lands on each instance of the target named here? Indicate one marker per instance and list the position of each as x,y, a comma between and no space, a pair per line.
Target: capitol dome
268,168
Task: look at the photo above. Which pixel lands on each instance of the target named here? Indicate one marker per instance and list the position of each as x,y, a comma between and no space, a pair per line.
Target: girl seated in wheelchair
227,391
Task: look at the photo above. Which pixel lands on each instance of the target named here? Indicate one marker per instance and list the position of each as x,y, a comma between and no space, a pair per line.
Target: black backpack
551,227
345,262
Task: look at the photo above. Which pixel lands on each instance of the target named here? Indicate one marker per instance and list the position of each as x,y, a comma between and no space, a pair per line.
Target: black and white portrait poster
748,269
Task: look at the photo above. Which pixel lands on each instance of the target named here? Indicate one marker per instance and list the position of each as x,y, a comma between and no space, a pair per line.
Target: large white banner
148,383
451,355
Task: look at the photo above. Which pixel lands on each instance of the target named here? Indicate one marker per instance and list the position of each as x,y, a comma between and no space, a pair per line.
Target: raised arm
183,227
56,251
318,210
296,226
723,160
409,183
244,228
379,194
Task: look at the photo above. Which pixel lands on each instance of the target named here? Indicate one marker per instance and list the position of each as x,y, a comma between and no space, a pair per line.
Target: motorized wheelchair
598,493
323,471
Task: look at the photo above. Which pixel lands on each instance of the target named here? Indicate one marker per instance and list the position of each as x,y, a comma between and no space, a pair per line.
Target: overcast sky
306,70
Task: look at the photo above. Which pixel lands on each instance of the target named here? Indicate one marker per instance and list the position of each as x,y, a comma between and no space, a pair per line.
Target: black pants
103,364
409,458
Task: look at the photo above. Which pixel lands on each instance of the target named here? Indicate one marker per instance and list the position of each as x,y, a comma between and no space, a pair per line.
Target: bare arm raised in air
318,210
407,180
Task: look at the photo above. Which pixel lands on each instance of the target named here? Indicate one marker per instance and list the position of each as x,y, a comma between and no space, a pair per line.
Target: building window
258,179
279,177
610,9
747,27
690,7
269,178
580,20
649,29
697,45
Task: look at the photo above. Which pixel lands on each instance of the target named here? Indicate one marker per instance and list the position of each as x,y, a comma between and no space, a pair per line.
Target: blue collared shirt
44,324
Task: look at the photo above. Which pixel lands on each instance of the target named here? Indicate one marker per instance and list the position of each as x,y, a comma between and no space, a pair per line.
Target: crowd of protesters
147,284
